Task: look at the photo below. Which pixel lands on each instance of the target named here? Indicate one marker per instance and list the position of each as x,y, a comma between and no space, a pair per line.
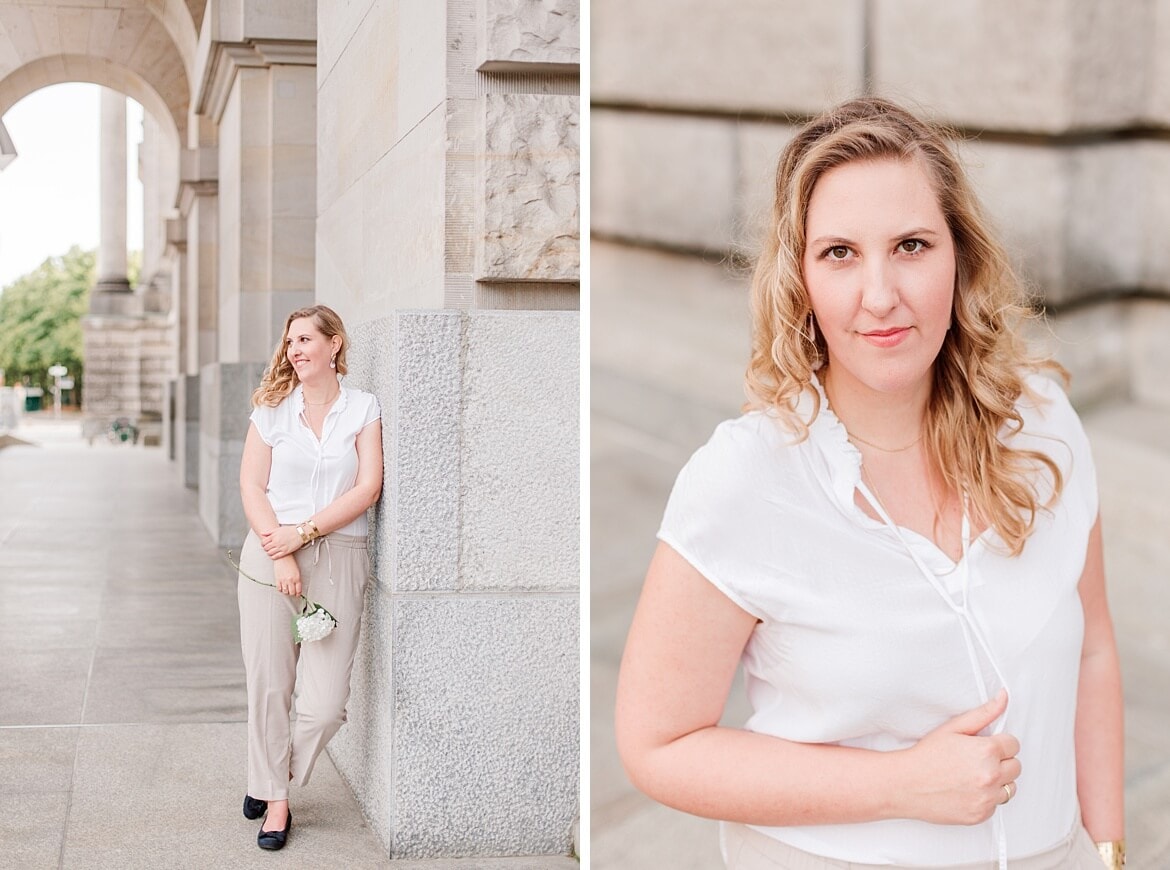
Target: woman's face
309,350
879,266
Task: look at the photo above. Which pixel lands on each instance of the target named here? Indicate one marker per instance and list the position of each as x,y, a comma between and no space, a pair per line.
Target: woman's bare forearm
755,779
1100,746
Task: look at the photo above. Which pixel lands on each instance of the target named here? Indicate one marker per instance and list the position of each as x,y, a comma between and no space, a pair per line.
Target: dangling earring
333,361
817,362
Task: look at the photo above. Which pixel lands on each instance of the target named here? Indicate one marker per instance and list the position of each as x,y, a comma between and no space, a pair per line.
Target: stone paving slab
122,705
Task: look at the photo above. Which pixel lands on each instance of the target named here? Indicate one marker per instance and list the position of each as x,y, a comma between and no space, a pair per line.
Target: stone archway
145,50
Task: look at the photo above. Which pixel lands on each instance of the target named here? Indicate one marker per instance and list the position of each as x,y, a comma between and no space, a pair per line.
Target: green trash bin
32,398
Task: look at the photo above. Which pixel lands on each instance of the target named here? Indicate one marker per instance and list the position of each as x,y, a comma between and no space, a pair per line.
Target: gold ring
1007,790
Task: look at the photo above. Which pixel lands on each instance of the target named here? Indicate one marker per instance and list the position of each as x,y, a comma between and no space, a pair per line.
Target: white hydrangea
315,623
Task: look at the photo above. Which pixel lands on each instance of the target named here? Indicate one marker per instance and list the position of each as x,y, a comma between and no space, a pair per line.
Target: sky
49,193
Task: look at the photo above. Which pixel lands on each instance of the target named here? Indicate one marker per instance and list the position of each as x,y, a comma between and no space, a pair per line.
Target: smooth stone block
772,56
1149,351
665,180
224,411
1033,65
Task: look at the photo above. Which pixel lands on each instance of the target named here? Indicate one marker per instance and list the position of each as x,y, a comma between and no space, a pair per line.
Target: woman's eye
911,246
837,252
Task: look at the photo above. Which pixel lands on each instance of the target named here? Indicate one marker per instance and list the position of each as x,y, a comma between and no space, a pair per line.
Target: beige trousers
745,848
276,746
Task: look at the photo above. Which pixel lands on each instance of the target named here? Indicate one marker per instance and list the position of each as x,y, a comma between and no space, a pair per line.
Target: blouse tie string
970,628
317,546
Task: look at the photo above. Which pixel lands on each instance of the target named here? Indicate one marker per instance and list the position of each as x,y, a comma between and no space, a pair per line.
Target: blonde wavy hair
979,372
280,378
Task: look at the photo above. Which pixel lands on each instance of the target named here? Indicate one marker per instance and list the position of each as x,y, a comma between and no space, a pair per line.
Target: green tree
40,319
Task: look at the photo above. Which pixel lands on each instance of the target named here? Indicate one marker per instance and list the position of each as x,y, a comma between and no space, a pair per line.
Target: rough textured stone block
371,359
777,56
486,725
429,384
363,749
520,455
530,177
664,180
518,33
1032,65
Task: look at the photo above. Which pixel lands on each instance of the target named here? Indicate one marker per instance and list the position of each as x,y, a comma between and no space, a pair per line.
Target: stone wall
448,226
463,725
1064,136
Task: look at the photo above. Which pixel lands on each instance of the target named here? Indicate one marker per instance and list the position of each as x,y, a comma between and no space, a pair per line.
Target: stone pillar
112,336
111,260
186,449
267,205
224,406
453,194
258,87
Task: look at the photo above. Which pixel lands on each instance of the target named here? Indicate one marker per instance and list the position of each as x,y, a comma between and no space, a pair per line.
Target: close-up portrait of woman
878,447
898,540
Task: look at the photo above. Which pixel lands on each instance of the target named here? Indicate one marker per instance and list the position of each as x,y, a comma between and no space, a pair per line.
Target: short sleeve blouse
308,473
856,647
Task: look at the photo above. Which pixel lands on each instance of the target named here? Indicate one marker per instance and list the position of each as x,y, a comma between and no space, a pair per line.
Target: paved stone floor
122,707
656,397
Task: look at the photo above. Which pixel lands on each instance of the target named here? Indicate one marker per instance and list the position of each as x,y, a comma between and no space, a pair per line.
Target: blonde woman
312,465
899,542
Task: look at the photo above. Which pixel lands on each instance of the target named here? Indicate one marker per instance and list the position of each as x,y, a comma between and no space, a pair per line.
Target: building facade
415,167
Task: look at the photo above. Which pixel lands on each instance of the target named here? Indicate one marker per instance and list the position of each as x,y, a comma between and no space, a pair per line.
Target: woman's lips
886,337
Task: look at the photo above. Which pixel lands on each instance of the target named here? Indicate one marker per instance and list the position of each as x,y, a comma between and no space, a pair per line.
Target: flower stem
261,582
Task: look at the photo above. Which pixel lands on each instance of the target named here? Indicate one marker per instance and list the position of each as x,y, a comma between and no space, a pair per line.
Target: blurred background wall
1063,107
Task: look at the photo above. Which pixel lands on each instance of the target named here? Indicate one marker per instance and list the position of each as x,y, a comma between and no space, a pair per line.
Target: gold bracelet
314,531
1112,853
301,532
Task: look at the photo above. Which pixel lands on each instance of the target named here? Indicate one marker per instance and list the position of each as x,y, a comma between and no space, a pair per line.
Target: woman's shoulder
1045,407
361,406
740,450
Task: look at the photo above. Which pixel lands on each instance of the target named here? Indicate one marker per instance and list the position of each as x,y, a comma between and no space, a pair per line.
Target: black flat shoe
273,840
254,809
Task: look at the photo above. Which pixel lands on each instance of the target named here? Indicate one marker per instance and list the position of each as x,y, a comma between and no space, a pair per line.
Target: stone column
111,261
259,89
112,331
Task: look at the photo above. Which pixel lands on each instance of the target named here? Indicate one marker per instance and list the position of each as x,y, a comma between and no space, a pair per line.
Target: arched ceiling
144,48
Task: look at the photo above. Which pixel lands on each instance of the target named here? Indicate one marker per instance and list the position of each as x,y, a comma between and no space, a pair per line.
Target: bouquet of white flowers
314,622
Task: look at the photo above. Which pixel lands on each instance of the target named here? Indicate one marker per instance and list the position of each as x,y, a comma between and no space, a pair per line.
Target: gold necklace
853,437
319,404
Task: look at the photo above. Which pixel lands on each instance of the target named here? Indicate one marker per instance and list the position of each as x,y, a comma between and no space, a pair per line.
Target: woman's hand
281,541
288,575
958,777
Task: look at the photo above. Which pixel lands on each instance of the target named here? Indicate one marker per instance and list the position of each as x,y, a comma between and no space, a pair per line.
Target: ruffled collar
298,400
828,435
842,461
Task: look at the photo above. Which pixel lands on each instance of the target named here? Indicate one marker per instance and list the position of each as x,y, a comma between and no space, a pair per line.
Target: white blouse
308,473
856,646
